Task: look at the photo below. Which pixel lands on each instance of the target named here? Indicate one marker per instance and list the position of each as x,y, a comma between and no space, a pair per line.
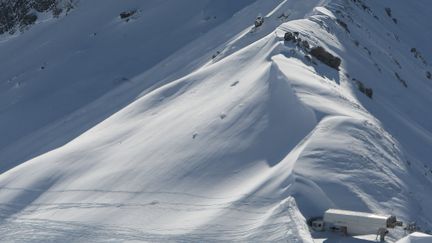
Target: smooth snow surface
115,130
416,238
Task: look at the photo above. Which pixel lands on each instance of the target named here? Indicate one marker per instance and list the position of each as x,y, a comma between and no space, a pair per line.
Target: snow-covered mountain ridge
194,126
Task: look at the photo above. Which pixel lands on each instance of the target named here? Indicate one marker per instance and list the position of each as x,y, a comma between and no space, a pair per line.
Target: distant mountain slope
194,126
60,65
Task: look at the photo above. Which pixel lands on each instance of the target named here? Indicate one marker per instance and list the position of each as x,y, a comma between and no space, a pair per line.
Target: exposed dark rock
368,51
404,83
418,55
294,37
397,63
378,67
343,25
127,14
368,92
428,75
258,22
365,7
234,83
362,88
305,44
289,36
56,11
356,43
388,12
44,5
17,14
326,57
29,19
215,55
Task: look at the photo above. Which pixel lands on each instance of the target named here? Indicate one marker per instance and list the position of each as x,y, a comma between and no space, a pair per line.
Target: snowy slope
416,237
132,131
98,53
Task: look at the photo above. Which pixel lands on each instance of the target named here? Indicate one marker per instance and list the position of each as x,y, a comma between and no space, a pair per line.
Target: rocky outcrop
326,57
17,14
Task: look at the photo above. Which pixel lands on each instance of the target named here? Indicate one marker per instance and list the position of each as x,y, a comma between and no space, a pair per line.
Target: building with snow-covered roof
355,223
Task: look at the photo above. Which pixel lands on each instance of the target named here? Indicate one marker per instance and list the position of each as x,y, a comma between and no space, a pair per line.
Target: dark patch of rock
326,57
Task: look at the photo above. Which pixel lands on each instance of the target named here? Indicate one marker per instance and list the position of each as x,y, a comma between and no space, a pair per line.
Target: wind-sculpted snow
229,135
416,238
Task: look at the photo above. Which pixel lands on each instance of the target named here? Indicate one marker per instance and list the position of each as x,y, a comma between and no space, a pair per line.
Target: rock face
259,21
289,36
325,57
17,14
127,14
362,88
44,5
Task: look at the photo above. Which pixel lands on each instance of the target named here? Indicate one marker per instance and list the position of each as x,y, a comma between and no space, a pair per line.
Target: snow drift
197,126
416,238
